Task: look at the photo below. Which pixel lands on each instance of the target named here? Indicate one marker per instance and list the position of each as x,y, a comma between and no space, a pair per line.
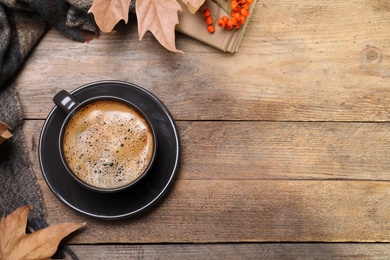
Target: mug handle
65,101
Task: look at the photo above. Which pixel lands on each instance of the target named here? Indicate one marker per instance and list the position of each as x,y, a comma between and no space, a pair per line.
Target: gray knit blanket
22,24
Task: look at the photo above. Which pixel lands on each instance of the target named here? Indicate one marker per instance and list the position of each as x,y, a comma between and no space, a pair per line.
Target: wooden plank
272,150
299,61
247,251
284,150
211,211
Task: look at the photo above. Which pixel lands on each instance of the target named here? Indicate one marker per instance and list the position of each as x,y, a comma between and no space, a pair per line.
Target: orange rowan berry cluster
239,11
209,20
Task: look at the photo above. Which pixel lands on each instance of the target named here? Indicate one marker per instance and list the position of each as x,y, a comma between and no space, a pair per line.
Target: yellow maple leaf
157,16
16,244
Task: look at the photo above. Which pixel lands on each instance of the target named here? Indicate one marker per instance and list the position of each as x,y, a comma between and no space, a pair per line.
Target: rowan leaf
107,13
193,5
42,244
160,18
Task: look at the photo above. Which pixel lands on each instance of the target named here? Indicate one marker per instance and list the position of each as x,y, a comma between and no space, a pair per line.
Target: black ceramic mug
106,143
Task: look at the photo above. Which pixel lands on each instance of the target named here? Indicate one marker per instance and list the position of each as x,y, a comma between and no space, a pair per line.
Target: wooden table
285,141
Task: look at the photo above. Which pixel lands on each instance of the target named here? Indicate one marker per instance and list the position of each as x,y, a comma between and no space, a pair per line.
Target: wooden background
285,141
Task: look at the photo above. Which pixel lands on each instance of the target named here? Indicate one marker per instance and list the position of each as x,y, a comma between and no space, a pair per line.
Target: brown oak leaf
42,244
157,16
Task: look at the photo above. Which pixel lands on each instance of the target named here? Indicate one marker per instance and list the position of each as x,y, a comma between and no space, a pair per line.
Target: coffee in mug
107,144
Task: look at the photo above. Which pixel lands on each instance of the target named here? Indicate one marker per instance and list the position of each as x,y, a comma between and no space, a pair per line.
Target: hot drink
108,144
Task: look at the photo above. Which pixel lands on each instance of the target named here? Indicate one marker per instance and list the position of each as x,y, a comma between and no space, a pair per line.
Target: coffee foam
108,144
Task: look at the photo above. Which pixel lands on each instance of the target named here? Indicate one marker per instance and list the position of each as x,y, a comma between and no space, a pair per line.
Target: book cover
194,25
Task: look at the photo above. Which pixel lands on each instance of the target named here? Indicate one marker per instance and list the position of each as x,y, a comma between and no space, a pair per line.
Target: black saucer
134,200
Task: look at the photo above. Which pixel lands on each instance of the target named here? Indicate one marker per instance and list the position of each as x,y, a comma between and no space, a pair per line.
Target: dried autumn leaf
108,13
42,244
159,17
4,133
193,5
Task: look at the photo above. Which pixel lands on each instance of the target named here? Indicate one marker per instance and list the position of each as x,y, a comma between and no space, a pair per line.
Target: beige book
194,25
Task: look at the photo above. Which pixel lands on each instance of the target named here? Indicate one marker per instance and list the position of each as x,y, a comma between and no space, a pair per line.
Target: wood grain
272,150
247,251
230,205
284,141
299,61
211,211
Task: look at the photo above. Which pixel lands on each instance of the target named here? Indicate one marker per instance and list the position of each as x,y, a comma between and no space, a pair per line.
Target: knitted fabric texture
18,186
23,22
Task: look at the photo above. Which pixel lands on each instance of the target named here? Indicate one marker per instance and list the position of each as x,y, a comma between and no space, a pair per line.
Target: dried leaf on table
4,132
108,13
42,244
159,17
193,5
